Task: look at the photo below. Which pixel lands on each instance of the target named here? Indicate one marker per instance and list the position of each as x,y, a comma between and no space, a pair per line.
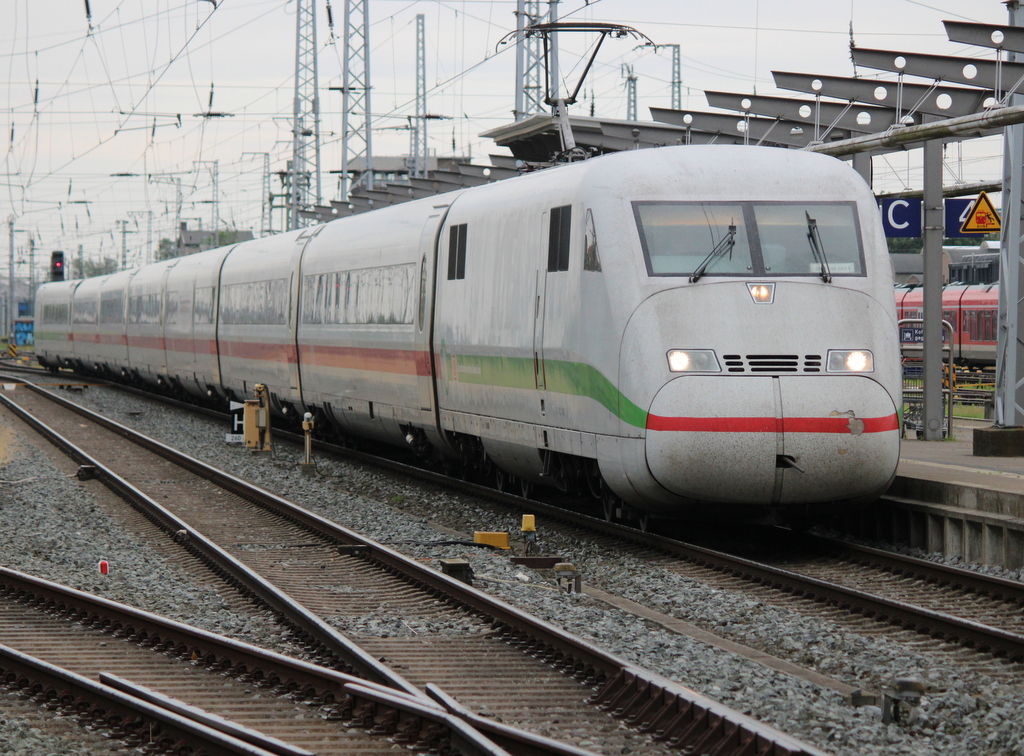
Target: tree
101,268
229,236
166,250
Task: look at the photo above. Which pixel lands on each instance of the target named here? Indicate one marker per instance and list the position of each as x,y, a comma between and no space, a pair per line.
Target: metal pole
677,79
11,313
932,250
1009,353
367,126
555,75
31,273
862,164
627,72
421,152
216,202
124,243
519,113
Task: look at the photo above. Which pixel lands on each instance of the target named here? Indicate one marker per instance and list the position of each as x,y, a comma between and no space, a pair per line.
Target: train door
539,307
559,298
425,368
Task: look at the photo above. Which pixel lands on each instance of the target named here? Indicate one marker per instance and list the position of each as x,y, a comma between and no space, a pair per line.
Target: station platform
947,500
952,462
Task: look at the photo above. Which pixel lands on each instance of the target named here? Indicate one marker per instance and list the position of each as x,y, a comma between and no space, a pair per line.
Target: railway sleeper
702,727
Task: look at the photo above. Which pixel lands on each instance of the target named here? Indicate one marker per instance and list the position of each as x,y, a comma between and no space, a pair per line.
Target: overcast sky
84,99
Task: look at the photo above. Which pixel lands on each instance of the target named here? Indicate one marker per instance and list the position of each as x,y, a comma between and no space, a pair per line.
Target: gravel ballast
49,526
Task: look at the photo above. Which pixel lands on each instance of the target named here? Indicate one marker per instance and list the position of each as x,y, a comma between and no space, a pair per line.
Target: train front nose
773,439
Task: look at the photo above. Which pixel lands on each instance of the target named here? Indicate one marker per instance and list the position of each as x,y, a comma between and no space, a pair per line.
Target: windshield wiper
816,248
726,245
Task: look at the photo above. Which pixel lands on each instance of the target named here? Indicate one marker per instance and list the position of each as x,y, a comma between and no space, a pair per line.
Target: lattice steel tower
304,171
630,77
355,119
530,84
677,78
419,131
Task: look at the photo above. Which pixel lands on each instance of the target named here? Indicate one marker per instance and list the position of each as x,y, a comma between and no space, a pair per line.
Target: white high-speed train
687,331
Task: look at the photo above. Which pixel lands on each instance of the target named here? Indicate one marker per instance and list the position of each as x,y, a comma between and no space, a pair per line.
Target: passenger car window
457,252
558,238
591,258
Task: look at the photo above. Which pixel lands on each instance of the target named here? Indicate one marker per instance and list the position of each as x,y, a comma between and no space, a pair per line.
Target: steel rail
651,703
122,712
936,624
311,625
345,695
922,620
942,574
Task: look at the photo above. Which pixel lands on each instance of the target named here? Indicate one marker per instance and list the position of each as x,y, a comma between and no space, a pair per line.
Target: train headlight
693,361
762,293
849,361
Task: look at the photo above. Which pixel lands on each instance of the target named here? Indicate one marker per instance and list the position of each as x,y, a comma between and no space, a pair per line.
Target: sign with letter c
901,217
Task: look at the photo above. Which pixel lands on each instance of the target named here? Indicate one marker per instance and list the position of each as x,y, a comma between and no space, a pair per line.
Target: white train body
548,325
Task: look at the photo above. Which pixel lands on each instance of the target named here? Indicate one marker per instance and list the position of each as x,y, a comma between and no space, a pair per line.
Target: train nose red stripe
841,424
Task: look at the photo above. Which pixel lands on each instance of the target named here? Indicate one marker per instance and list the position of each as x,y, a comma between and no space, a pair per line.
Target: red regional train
972,310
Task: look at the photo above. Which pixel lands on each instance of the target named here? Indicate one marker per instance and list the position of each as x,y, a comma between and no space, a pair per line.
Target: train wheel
643,522
595,483
502,480
609,503
526,488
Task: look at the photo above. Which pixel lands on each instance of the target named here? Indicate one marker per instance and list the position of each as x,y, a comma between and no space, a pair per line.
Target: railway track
869,590
103,664
331,573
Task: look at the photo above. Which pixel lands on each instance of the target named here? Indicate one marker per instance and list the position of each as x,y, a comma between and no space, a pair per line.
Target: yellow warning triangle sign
982,218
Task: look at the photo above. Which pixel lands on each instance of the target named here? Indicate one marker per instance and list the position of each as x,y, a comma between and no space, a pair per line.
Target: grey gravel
48,528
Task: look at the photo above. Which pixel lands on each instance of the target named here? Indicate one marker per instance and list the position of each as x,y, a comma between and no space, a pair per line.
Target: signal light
57,266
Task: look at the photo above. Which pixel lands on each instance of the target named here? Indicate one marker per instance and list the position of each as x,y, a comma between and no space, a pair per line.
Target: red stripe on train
773,425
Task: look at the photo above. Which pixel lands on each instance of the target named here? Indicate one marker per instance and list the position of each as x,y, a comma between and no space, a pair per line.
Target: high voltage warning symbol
982,218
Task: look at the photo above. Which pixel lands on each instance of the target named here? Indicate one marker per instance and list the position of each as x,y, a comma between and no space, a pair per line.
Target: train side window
457,252
202,310
112,307
558,238
55,313
83,312
422,310
591,259
171,308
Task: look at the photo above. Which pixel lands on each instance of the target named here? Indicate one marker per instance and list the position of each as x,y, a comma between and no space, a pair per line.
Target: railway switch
256,425
529,532
308,466
907,690
460,569
569,579
499,539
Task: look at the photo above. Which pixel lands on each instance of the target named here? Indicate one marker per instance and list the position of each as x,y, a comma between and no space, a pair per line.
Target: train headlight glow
693,361
762,293
850,361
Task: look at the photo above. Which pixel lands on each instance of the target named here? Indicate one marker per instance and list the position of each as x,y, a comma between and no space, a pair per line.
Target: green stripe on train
563,377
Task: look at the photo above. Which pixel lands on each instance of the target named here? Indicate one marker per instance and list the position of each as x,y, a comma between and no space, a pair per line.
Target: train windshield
771,238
